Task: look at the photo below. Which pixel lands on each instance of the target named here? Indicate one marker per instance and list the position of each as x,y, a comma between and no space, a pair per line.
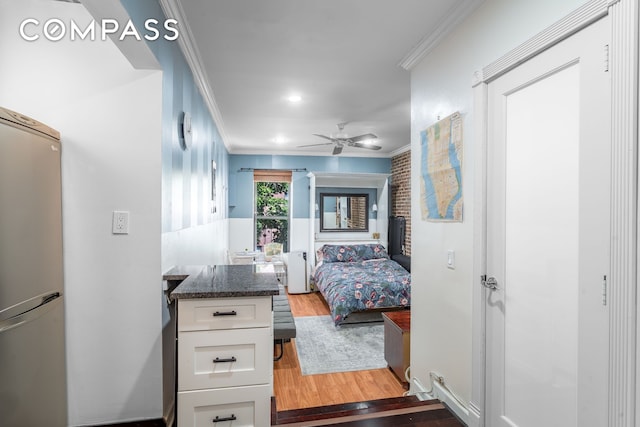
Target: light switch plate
451,259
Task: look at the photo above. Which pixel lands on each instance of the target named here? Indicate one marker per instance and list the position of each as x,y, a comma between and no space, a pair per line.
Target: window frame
279,177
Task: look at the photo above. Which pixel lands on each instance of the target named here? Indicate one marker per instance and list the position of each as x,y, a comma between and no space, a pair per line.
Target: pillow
367,261
353,253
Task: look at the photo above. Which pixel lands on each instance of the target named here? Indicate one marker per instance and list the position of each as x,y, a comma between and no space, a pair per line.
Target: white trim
431,40
346,179
421,393
637,403
572,23
445,396
380,181
623,65
189,48
475,416
624,378
480,257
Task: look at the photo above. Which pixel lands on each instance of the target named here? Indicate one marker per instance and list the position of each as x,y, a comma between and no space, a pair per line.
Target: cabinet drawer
224,313
239,406
224,358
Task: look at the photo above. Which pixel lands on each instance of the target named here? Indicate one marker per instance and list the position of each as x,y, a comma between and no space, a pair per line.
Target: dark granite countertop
181,272
226,281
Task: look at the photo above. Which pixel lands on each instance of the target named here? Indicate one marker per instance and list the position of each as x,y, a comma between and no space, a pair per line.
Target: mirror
344,212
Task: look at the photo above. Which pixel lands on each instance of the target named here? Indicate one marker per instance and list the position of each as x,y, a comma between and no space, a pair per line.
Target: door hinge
604,290
606,58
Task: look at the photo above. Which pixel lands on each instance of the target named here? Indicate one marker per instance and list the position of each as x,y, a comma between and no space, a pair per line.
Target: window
272,214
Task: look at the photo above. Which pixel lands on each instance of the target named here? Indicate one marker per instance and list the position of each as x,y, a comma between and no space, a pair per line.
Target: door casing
624,378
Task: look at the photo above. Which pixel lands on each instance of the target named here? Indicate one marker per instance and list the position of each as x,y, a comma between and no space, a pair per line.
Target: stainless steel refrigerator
32,340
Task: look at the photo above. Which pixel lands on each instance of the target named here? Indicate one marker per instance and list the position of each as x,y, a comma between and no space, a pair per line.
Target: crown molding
580,18
186,41
400,150
432,39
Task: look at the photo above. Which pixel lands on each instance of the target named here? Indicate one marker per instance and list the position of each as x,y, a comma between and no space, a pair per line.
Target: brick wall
359,212
401,192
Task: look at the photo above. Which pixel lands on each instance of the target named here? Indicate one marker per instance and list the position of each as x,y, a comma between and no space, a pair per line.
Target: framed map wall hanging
441,170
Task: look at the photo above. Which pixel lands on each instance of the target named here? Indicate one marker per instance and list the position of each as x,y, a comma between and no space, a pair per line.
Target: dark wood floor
402,411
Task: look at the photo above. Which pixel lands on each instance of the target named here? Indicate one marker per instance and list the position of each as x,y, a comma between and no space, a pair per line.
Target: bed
358,278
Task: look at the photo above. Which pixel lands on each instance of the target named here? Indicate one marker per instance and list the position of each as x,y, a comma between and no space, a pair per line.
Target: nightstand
397,338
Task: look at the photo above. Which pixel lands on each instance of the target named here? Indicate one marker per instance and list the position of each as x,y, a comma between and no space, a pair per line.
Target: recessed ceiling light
279,139
294,98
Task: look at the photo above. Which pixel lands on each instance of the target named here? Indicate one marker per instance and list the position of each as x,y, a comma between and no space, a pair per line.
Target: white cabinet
225,407
225,368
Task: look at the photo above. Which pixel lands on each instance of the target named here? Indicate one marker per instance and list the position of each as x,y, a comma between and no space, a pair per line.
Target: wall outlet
120,223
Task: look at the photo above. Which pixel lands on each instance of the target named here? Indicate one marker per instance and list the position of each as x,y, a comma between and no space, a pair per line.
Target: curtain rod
272,170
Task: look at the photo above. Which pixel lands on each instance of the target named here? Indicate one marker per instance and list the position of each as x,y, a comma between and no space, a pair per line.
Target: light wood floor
295,391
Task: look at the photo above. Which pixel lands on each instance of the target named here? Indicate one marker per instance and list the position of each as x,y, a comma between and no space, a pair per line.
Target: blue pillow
353,253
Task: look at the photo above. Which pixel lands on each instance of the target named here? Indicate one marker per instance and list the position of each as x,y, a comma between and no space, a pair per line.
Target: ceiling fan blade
314,145
337,149
367,146
364,137
324,136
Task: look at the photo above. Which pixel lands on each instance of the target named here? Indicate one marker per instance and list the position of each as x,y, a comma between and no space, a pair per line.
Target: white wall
109,116
200,245
441,85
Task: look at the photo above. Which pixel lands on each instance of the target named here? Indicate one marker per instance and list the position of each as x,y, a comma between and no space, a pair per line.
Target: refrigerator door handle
31,312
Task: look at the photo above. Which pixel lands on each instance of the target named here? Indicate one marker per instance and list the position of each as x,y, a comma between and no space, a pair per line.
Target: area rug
322,348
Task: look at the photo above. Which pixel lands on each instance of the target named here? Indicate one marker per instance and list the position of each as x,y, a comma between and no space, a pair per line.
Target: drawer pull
225,313
218,360
217,419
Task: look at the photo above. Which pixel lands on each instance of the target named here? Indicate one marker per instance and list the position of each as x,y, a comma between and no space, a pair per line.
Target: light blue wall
185,200
241,183
190,233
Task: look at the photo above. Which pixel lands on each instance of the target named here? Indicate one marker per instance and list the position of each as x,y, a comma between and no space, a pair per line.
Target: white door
548,190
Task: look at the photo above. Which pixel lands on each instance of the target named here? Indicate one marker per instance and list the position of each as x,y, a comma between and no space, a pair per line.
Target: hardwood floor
311,304
294,391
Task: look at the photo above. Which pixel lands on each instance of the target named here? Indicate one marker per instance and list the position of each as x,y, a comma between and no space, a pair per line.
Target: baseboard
418,390
475,417
444,395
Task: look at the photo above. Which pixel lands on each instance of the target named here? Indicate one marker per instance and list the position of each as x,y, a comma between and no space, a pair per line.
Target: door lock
489,283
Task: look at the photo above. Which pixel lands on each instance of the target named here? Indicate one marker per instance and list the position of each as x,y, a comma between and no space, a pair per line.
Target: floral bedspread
357,286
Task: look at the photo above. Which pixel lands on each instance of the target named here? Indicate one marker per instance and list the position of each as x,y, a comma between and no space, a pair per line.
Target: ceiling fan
341,140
